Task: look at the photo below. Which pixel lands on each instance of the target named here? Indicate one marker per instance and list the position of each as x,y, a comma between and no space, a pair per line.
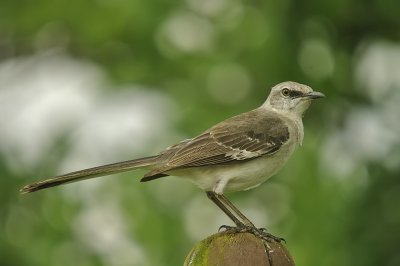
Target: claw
224,227
265,235
232,229
268,236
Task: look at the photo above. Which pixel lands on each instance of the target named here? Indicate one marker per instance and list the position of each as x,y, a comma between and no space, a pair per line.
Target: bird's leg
261,232
214,198
242,226
227,202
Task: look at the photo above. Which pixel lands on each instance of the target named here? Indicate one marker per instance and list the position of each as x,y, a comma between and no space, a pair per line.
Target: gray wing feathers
244,137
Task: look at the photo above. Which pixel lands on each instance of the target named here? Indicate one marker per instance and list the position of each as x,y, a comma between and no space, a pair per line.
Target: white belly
237,176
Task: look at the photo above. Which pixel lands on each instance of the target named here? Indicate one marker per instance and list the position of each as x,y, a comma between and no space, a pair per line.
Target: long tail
90,173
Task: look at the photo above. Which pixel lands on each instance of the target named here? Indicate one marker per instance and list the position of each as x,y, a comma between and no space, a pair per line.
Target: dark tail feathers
90,173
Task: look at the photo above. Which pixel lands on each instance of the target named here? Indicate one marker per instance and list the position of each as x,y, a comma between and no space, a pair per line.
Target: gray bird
237,154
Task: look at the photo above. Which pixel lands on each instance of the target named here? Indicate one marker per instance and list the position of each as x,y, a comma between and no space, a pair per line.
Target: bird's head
291,97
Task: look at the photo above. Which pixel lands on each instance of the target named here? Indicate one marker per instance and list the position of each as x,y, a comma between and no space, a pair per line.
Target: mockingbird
236,154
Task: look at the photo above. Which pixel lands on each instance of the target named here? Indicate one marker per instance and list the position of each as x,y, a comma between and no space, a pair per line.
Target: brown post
234,249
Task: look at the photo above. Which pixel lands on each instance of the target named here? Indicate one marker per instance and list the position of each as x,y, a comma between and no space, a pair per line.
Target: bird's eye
285,92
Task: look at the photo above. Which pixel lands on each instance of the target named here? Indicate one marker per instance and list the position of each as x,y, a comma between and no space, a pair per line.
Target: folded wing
244,137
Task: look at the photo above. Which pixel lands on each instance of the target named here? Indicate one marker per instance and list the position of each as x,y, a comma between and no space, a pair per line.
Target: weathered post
231,249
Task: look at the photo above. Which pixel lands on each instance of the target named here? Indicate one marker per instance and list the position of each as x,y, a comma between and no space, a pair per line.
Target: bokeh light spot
228,83
316,59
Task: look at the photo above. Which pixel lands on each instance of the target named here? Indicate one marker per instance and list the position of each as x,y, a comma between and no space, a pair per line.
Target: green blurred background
84,83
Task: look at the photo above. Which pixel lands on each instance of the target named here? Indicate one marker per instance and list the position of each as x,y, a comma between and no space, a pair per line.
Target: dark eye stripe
295,94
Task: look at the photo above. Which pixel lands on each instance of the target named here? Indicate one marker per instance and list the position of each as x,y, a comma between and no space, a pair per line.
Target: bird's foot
267,236
258,232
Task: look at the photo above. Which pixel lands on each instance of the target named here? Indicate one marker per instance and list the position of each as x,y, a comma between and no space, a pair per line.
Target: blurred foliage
216,59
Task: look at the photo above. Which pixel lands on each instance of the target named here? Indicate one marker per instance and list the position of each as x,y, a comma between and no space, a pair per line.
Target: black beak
314,95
